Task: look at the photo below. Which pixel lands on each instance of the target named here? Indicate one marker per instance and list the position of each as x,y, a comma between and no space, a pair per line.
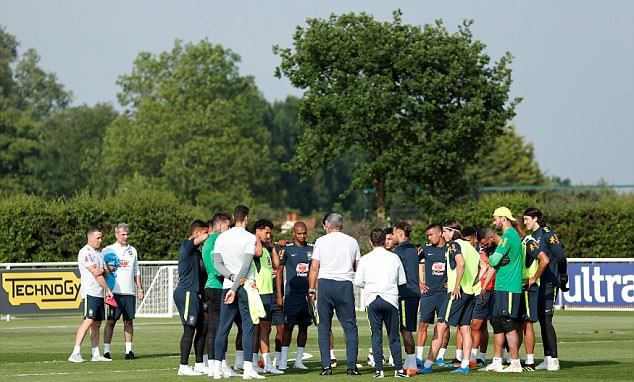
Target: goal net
159,281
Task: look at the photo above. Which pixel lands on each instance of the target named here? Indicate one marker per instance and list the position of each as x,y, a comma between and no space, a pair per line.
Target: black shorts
432,305
277,315
296,310
506,304
547,299
94,308
126,306
529,304
408,311
482,306
459,311
189,306
267,302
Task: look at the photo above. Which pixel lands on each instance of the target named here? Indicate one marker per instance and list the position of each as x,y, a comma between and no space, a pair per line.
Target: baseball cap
503,211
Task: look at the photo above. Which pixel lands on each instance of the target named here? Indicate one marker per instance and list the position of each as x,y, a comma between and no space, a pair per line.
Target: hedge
40,230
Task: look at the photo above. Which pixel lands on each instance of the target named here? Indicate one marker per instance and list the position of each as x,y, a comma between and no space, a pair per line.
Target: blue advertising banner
601,285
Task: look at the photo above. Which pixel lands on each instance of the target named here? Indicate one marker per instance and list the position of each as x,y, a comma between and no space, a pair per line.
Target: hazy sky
574,60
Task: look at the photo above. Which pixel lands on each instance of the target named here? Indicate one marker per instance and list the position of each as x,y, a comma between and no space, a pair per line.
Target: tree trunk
379,189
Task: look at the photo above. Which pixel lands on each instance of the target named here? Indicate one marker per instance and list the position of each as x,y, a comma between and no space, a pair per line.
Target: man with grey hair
334,261
126,290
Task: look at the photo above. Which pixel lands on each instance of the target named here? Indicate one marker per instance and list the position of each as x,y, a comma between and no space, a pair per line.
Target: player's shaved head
300,226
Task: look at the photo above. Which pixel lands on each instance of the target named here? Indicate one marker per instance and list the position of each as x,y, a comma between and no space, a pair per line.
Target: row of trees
392,114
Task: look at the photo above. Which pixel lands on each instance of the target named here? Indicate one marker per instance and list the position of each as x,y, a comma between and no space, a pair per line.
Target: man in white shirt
379,273
233,255
93,285
127,288
334,260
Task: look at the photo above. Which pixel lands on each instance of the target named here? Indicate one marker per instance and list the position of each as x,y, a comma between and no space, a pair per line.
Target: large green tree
193,125
414,105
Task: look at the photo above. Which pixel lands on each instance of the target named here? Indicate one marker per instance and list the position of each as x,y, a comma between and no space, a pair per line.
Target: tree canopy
413,104
193,125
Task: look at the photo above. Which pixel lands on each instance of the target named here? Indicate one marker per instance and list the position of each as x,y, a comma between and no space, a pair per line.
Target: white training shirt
233,245
128,269
379,273
336,253
89,256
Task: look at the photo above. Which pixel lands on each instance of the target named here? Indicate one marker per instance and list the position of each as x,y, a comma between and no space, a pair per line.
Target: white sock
278,355
106,348
199,365
182,367
239,363
496,361
248,366
464,363
410,361
267,360
95,351
332,354
474,354
206,360
77,350
128,347
441,353
283,362
482,356
428,363
299,355
530,359
516,362
254,359
459,354
420,350
216,367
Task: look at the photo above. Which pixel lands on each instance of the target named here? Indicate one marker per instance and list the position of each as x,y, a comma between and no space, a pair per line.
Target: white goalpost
159,280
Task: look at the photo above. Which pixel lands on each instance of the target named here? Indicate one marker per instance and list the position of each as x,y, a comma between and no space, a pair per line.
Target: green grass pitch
594,346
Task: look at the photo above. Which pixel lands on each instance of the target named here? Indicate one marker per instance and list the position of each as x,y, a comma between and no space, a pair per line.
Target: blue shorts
432,305
483,305
277,315
529,304
267,302
94,308
506,304
190,307
408,311
459,311
126,306
296,310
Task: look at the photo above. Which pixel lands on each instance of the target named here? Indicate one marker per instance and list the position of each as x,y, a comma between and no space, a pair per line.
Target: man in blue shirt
409,294
187,296
295,258
433,284
553,278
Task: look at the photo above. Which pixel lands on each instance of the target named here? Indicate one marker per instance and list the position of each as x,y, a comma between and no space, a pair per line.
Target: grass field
594,346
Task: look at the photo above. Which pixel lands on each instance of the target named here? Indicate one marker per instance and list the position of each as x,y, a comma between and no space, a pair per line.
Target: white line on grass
75,326
87,372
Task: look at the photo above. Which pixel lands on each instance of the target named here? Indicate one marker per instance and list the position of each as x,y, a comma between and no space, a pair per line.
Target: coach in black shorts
409,294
